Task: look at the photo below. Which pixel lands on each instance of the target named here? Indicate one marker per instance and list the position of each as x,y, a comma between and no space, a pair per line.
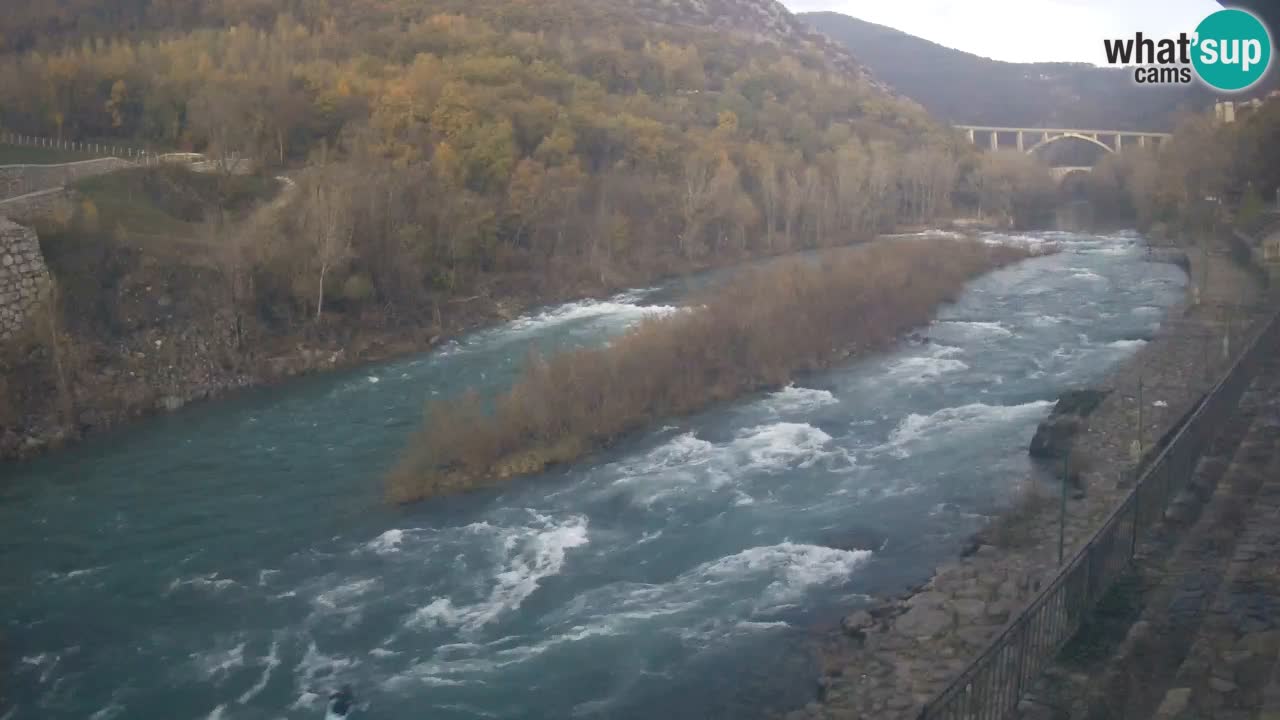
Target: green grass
27,155
125,205
169,201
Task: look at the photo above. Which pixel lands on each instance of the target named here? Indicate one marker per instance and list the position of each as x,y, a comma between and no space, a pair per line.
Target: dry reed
757,331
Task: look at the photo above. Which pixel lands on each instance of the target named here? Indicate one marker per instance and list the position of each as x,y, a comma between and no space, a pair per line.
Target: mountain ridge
965,88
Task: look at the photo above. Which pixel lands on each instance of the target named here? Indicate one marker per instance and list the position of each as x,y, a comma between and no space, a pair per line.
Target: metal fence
138,155
993,684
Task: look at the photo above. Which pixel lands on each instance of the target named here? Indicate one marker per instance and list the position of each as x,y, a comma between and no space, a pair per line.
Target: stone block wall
16,180
23,276
31,208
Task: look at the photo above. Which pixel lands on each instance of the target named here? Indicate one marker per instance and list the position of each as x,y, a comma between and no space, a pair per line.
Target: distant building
1228,111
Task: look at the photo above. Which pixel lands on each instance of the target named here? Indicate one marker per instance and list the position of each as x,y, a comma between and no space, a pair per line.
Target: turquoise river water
236,560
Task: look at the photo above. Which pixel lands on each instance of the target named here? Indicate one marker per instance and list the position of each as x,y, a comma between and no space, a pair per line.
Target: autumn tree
325,196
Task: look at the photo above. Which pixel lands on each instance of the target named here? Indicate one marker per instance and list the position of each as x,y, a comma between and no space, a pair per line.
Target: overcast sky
1025,30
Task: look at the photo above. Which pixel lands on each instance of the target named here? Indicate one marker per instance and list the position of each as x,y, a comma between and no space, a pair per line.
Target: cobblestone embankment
888,660
18,180
23,276
1203,629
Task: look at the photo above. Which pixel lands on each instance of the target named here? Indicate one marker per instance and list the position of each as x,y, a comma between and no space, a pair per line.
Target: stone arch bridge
1029,140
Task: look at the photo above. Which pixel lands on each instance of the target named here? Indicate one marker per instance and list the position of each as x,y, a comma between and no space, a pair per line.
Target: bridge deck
1129,133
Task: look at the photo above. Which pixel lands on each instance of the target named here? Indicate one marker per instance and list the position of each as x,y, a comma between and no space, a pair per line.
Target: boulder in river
857,623
1055,433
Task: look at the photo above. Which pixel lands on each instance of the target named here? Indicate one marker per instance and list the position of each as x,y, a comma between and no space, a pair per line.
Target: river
236,559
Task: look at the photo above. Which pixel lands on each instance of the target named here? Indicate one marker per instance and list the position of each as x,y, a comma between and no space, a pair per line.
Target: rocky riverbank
174,351
160,341
887,660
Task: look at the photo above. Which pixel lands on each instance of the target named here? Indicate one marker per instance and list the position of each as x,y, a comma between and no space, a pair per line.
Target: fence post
1137,513
1140,419
1062,510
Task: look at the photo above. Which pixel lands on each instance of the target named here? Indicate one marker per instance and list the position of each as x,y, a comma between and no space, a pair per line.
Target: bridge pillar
995,140
1044,136
971,141
1142,141
1119,142
1020,148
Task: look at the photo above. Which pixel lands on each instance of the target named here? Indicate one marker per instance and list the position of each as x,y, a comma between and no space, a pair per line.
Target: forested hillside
450,162
460,138
959,87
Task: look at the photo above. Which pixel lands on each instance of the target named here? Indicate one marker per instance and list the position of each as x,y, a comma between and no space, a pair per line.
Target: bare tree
231,247
327,220
696,196
220,114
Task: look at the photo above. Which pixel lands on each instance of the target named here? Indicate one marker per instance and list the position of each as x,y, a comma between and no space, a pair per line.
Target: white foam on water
921,370
446,668
312,664
387,542
45,662
729,589
269,664
792,399
531,553
1127,345
1019,240
1048,320
758,626
305,699
635,295
977,328
217,663
688,464
341,597
975,417
794,568
682,450
73,574
112,710
781,446
209,582
624,306
682,464
939,233
218,713
1084,274
1108,250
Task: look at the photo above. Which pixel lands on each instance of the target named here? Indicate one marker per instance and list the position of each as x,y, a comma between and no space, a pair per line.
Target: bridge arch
1064,136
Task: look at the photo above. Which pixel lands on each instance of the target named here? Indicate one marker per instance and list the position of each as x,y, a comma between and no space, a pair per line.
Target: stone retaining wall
23,276
886,661
16,180
31,208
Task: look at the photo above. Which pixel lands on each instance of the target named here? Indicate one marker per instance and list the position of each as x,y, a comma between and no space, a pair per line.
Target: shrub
357,288
754,332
